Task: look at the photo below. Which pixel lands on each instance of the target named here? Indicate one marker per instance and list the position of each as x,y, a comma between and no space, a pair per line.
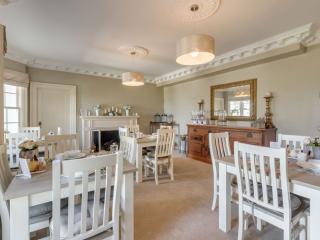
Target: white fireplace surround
91,123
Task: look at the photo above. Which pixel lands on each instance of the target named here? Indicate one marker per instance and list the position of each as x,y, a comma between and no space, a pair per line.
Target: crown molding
97,71
306,36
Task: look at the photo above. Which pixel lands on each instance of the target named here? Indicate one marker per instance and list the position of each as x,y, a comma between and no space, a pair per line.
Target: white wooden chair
35,130
162,155
263,190
39,215
55,144
293,141
127,147
13,140
91,217
134,129
123,132
219,146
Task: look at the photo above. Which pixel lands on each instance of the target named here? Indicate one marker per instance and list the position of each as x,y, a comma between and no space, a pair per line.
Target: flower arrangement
314,142
28,145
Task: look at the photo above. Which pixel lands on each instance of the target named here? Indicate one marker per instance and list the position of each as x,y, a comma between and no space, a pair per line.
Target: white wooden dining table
302,183
143,142
24,193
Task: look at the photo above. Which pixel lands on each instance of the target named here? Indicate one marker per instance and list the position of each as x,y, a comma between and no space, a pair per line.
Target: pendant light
132,79
197,48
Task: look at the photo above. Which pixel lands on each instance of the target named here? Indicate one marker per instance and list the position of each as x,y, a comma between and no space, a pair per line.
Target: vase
316,152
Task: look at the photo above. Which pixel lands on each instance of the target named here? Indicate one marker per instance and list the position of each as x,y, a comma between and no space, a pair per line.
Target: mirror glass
235,100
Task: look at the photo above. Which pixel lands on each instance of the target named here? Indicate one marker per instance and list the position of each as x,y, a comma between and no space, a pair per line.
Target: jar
170,118
157,117
164,118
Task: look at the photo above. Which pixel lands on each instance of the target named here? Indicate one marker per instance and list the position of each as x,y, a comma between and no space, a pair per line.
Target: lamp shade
132,79
195,49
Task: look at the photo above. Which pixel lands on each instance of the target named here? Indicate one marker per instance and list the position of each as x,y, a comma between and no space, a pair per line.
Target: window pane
10,88
13,115
10,100
5,115
13,127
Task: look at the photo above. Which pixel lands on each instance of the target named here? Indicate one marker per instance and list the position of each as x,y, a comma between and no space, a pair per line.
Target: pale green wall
146,100
294,81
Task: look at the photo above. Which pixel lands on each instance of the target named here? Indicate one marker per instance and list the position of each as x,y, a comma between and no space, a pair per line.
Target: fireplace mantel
91,123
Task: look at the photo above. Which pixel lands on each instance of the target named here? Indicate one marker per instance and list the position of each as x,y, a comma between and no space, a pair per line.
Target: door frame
35,86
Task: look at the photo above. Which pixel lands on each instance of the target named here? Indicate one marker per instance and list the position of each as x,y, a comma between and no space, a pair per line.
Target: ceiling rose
195,10
134,51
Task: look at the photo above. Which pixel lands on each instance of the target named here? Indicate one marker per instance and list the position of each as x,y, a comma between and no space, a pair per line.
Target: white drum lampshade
195,49
132,79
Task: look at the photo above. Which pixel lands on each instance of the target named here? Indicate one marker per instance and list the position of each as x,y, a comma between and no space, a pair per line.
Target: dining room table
23,193
302,183
142,142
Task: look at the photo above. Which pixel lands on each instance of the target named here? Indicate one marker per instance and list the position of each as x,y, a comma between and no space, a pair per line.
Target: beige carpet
182,209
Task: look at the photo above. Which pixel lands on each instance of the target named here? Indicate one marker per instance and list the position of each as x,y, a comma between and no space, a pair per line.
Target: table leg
127,207
224,198
139,163
19,218
314,231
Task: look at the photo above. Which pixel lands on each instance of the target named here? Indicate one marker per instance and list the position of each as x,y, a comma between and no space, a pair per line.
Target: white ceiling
89,32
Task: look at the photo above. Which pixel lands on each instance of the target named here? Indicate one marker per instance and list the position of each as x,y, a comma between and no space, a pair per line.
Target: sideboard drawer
246,137
196,138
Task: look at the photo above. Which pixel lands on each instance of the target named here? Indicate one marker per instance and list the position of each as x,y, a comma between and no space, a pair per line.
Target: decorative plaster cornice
306,35
51,65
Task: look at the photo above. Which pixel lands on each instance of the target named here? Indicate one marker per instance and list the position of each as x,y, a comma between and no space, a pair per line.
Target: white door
53,106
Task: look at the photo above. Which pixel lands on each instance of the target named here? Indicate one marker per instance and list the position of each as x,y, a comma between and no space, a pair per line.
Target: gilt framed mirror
237,100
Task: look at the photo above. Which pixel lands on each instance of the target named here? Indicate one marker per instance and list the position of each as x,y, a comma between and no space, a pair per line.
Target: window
239,108
13,112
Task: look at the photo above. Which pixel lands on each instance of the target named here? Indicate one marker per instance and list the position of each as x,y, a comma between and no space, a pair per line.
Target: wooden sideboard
198,146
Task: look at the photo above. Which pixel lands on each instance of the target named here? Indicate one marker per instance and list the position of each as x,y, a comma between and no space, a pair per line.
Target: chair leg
287,232
241,223
156,173
215,195
259,224
171,169
303,234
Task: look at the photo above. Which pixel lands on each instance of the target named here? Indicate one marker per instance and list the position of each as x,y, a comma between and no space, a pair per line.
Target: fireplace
102,139
91,124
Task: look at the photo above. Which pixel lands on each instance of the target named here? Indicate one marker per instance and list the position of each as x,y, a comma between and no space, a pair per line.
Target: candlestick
268,114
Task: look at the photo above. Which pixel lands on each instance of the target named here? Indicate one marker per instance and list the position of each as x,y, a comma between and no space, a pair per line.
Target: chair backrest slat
84,201
13,140
165,142
123,132
59,144
219,147
293,141
268,168
127,145
100,168
107,196
71,205
36,130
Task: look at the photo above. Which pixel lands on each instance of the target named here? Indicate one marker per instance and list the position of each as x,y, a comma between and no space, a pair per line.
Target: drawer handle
194,130
249,135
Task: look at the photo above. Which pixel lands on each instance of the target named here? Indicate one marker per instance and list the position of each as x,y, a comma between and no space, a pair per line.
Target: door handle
40,123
